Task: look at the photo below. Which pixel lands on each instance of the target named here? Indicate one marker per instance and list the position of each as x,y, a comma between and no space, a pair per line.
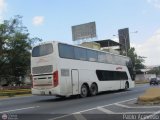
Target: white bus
61,69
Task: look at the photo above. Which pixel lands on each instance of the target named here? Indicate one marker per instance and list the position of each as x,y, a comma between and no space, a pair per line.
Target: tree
15,46
137,61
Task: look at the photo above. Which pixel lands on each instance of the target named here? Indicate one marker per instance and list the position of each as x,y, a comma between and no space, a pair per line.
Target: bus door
75,81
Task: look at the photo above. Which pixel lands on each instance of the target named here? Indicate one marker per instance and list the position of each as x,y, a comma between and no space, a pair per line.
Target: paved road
48,107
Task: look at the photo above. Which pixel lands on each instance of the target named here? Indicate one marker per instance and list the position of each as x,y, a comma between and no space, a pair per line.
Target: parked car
154,81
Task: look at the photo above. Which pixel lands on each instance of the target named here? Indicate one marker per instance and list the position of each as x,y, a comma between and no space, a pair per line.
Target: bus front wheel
126,85
84,91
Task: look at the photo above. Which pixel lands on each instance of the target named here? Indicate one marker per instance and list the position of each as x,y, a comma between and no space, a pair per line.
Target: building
104,45
143,75
124,39
109,46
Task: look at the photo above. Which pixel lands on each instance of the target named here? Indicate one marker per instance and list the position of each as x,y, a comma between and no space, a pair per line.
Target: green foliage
15,46
137,61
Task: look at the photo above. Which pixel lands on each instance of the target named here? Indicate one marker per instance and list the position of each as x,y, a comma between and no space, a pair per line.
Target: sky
52,20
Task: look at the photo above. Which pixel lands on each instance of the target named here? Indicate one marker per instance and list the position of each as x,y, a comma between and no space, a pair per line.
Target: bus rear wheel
93,89
84,91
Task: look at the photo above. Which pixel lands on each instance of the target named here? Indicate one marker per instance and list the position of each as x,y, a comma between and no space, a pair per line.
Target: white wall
145,76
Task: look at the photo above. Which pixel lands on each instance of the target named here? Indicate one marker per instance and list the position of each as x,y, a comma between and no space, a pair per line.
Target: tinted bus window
113,59
42,50
80,53
102,57
104,75
109,58
66,51
92,55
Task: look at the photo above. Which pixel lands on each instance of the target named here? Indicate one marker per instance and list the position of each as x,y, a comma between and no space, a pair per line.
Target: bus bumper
45,92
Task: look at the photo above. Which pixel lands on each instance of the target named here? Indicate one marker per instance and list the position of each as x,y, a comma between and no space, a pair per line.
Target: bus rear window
42,50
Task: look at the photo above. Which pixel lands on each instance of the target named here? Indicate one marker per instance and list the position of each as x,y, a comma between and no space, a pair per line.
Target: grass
152,95
12,93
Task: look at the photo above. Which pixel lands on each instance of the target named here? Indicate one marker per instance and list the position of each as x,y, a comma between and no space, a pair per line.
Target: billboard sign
84,31
124,39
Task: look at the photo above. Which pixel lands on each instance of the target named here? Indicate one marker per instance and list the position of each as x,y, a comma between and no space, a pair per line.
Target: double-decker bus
61,69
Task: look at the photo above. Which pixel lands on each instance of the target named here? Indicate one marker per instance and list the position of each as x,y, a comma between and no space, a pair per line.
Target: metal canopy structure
108,43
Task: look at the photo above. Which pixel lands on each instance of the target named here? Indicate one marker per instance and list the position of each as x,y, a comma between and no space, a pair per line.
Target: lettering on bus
119,68
41,60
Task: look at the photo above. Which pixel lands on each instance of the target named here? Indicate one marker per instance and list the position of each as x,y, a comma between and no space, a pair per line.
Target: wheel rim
84,91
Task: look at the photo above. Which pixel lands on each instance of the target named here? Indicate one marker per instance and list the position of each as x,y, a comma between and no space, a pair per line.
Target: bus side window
92,55
102,57
104,75
66,51
80,53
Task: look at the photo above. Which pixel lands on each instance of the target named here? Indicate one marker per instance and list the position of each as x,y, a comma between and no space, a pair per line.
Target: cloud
38,20
150,49
155,3
3,8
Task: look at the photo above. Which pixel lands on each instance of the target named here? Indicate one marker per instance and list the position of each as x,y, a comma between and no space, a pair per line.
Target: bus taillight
55,78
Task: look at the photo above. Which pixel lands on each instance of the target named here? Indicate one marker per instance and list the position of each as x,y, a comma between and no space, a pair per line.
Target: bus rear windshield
42,50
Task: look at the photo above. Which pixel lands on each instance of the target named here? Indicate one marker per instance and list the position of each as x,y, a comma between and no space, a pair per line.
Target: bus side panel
131,84
89,76
64,76
65,82
86,76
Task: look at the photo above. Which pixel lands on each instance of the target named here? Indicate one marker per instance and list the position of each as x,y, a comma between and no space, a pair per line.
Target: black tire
93,89
84,91
126,85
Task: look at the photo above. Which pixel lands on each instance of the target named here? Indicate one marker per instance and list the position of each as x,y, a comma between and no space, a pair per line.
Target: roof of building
107,43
